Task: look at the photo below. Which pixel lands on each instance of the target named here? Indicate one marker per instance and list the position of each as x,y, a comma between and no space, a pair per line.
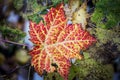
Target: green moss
88,67
35,18
109,9
53,76
58,1
11,34
18,4
108,44
105,36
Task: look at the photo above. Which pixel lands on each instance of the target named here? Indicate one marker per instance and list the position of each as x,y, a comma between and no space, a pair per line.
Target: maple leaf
56,42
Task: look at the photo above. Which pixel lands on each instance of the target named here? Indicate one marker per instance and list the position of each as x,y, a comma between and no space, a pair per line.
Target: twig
16,68
91,24
11,42
29,73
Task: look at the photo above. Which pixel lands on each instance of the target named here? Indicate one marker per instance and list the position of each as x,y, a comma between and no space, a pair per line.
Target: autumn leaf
81,15
71,7
76,13
57,42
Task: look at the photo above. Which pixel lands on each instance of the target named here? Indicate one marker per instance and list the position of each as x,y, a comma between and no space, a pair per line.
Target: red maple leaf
56,42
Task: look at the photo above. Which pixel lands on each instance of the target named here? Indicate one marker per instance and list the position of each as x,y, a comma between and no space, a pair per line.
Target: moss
89,69
58,1
53,76
106,15
18,4
106,35
11,33
107,47
35,18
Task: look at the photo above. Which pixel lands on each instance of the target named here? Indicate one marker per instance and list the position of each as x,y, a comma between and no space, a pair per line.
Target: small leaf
81,15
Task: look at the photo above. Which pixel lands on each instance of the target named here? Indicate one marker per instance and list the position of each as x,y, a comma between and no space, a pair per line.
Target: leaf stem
29,72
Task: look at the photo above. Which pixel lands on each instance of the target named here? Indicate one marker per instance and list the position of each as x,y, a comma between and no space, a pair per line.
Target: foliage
18,4
35,17
107,13
58,1
11,33
35,9
57,42
35,6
